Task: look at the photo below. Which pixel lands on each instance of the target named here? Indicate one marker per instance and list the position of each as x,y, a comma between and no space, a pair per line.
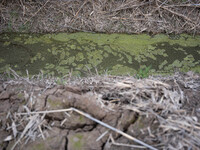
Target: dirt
61,97
102,99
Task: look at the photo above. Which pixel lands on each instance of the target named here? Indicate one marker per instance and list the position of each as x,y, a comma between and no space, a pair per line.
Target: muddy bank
163,112
122,16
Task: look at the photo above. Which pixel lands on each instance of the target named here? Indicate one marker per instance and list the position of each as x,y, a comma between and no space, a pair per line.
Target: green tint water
118,54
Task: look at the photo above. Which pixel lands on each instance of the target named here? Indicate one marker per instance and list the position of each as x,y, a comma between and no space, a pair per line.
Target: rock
86,103
4,95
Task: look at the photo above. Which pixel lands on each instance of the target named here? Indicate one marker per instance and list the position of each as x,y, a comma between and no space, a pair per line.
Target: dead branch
37,12
178,14
97,121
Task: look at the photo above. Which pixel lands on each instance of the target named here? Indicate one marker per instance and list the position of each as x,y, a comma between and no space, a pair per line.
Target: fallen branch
122,144
178,14
36,12
97,121
185,5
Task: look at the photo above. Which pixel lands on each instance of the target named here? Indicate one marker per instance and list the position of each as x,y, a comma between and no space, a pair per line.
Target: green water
117,54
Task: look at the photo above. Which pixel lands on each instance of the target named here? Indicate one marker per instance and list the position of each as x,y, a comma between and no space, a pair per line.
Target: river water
80,53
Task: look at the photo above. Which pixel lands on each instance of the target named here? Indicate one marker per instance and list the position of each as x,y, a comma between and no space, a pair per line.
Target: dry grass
161,97
110,16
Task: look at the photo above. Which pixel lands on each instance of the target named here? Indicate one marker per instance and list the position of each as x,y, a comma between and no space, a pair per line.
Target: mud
81,133
102,98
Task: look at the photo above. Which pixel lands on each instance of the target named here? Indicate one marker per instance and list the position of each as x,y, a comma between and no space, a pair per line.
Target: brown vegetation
162,112
108,16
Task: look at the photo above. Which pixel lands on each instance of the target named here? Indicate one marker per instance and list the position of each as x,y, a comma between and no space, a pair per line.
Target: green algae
1,60
54,104
77,141
122,70
196,69
59,54
20,95
40,146
6,43
37,39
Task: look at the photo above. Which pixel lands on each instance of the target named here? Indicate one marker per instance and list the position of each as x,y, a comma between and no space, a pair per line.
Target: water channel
116,54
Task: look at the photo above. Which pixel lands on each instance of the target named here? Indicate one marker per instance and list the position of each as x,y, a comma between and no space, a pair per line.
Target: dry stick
28,126
185,5
14,73
96,120
36,12
129,7
127,145
78,12
180,15
80,9
23,8
102,135
158,8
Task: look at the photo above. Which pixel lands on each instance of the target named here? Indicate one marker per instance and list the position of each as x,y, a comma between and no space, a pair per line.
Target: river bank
105,16
158,112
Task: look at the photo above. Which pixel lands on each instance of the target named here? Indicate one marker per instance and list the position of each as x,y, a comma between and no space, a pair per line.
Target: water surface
117,54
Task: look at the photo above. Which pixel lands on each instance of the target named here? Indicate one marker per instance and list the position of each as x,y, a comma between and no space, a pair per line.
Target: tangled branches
127,16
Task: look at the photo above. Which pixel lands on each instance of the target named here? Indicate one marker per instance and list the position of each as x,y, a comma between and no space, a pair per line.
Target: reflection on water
118,54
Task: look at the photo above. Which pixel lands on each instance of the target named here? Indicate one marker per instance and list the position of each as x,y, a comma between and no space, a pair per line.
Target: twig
126,145
78,12
97,121
102,135
129,7
28,126
185,5
47,111
158,8
36,12
41,132
178,14
80,9
15,74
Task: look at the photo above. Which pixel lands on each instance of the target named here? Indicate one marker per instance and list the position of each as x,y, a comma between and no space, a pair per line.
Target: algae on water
118,54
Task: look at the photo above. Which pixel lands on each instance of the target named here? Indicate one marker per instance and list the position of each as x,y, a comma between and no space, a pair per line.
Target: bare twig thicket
110,16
